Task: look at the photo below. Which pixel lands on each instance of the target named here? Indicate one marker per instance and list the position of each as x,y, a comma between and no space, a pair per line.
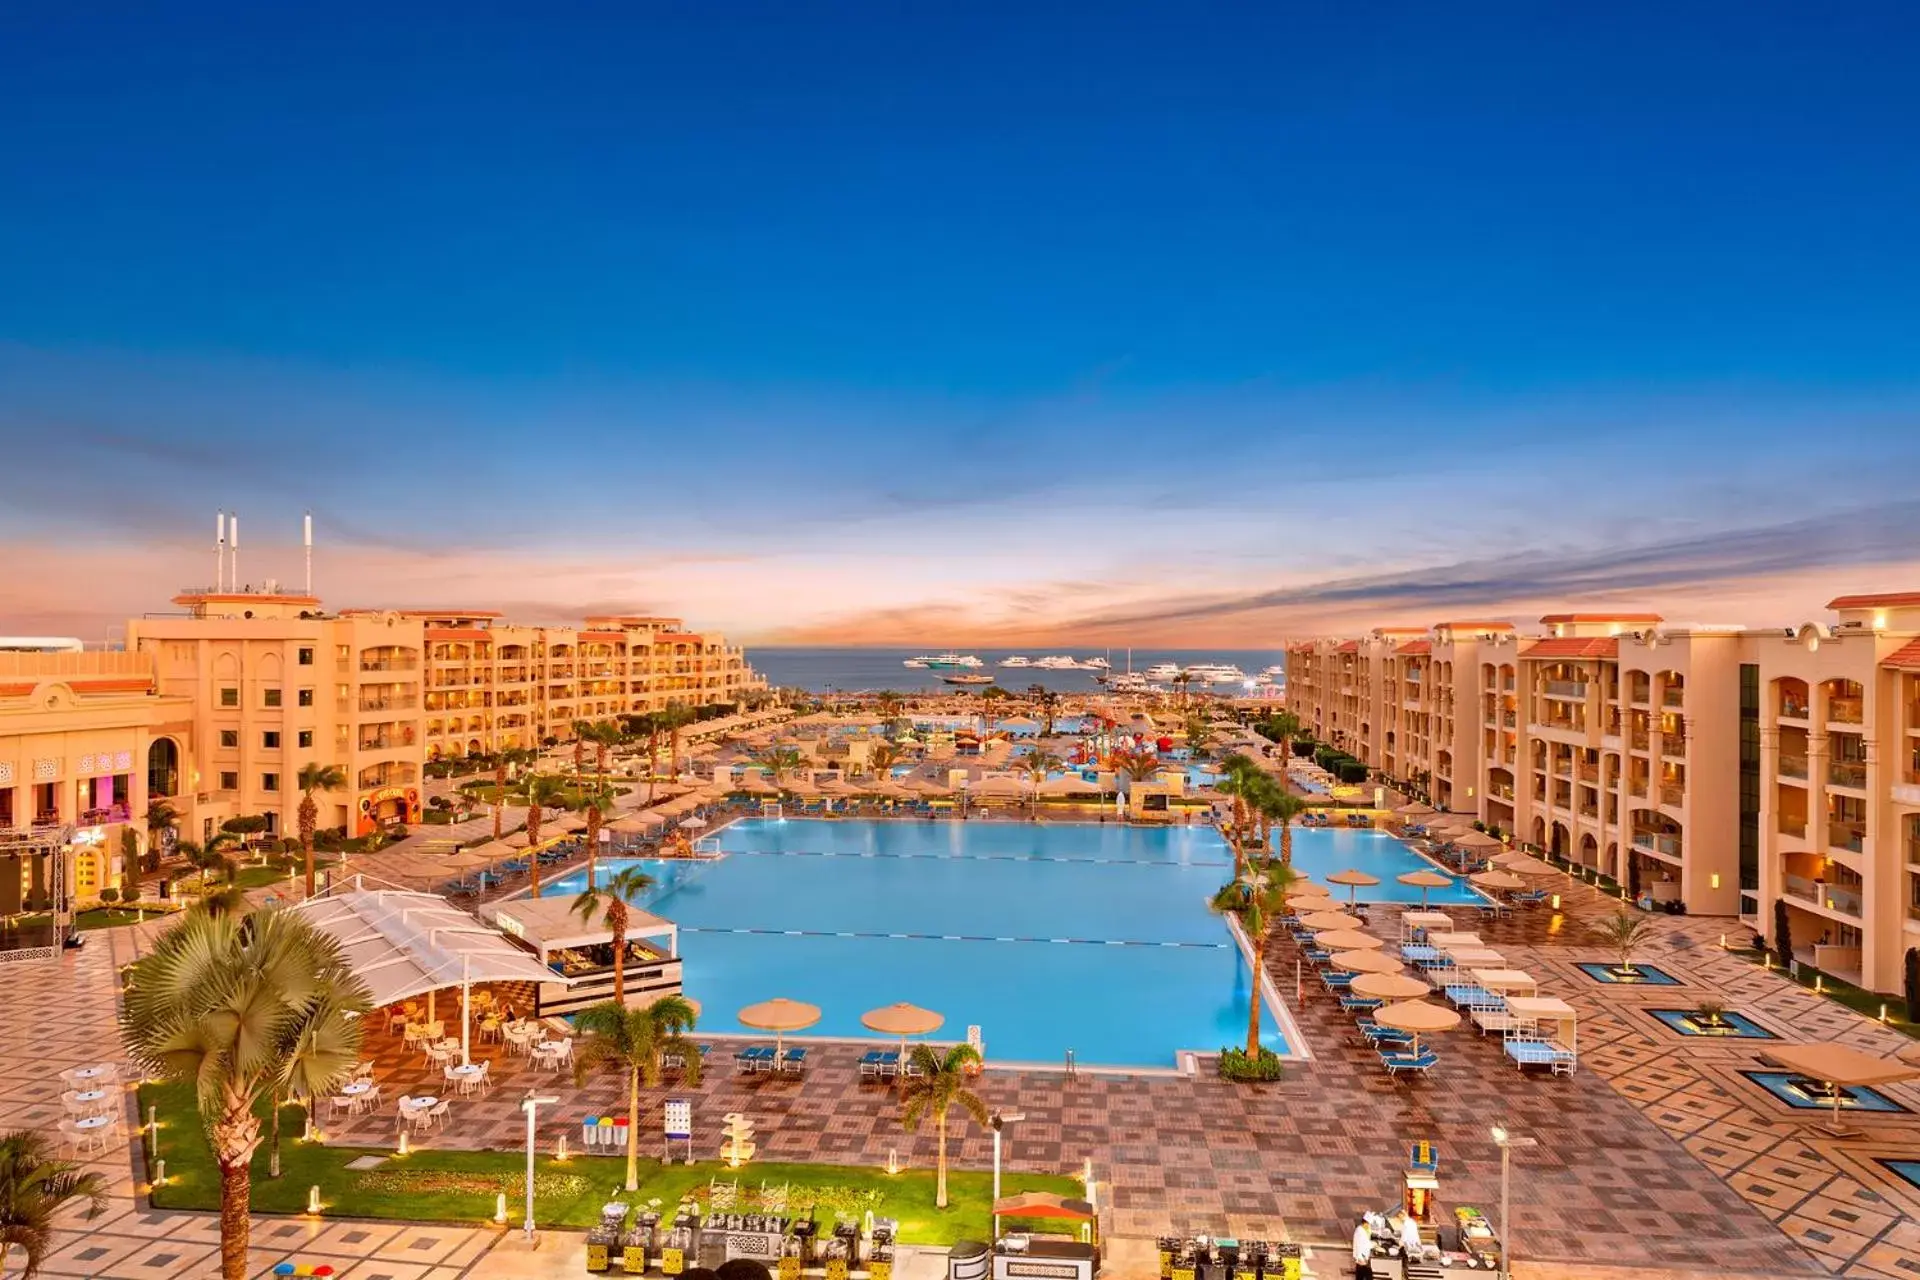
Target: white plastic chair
439,1113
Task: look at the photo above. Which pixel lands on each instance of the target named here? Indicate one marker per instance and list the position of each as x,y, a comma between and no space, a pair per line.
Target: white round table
422,1104
357,1088
88,1073
467,1071
93,1122
91,1095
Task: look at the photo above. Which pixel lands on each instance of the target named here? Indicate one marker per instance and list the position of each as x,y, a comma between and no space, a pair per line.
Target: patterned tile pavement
1655,1157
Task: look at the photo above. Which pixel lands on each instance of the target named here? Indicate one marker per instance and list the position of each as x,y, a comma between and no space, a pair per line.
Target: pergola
404,944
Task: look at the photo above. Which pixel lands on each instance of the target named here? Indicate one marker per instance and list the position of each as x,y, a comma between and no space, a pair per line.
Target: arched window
163,768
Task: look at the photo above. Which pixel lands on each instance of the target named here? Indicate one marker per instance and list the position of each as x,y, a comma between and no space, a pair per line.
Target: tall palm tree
1625,931
225,1001
581,729
1198,731
674,719
161,818
882,758
312,778
1278,807
939,1085
1037,764
544,792
1135,763
1264,897
635,1040
779,762
609,904
597,799
34,1186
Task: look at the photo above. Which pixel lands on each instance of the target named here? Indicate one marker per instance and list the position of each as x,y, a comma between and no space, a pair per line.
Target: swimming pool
1089,937
1318,852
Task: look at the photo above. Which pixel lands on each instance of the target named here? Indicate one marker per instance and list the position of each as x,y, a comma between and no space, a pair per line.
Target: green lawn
461,1186
1855,998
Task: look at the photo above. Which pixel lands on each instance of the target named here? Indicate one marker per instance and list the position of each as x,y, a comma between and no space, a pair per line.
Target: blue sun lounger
1381,1035
792,1062
757,1057
1358,1004
1396,1062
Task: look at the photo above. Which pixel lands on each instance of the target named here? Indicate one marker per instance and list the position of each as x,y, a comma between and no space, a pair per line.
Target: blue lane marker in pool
956,937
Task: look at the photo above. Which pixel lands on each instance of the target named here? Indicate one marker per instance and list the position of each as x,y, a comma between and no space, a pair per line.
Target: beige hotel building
1727,768
216,709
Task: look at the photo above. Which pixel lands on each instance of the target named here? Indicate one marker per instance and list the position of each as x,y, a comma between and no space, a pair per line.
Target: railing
1638,739
389,664
1818,892
1792,709
1639,694
1658,841
1845,773
1847,835
1795,827
1506,793
388,704
1793,766
1588,773
1506,685
1673,698
1845,710
1566,689
100,817
1673,744
1637,786
1670,794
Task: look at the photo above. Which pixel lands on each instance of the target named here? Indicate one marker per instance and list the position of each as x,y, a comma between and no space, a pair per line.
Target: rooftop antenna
306,535
233,546
220,550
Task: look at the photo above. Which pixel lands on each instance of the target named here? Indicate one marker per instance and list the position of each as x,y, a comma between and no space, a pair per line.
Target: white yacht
1162,671
1215,673
1095,664
1016,661
1126,682
1056,662
943,661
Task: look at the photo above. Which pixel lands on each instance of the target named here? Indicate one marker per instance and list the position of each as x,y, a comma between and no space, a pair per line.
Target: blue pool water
1908,1169
1735,1026
1090,937
1787,1086
1318,852
1644,975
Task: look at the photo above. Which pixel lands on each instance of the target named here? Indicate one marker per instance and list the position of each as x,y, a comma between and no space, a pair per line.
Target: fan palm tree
939,1085
1283,727
1264,898
1198,731
231,1002
312,778
1278,807
673,719
581,728
34,1186
596,799
1624,931
1134,763
779,762
635,1040
882,758
609,903
161,818
1037,764
544,792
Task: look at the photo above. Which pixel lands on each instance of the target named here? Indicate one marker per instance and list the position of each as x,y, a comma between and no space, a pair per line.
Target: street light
532,1103
998,1121
1507,1143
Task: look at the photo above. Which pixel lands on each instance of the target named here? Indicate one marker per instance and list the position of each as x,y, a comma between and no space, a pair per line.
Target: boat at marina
1056,662
1163,671
967,681
1215,673
1125,682
1095,664
947,661
1016,660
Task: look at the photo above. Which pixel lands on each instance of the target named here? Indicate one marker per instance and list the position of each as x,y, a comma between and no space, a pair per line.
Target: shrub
1479,826
109,895
1351,771
1235,1064
1710,1012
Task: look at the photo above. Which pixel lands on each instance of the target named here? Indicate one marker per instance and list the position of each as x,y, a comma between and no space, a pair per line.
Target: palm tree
1283,727
312,778
609,903
882,758
230,1002
581,729
160,818
1265,896
1278,807
34,1186
1037,765
1198,731
933,1087
544,792
1047,702
1624,931
1134,763
635,1040
674,719
779,762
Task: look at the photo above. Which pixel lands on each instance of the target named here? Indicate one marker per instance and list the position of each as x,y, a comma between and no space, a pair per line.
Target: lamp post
531,1104
1507,1143
998,1121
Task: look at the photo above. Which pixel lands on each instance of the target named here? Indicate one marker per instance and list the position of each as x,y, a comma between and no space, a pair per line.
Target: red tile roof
1414,648
1351,646
1907,658
1603,617
1475,624
1893,600
1574,647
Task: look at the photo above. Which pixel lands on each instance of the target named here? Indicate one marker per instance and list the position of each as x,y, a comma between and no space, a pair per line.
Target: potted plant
1711,1014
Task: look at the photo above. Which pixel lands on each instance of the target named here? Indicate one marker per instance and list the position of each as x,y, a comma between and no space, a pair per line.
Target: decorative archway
163,768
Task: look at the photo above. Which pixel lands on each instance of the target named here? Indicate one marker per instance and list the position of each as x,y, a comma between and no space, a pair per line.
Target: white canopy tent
404,944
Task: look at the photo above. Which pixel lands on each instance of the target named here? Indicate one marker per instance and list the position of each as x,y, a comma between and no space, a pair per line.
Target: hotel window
229,697
306,738
229,782
304,697
270,740
273,822
229,737
269,782
273,697
306,657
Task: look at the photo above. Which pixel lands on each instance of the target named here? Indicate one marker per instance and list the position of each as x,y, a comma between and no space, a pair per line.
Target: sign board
679,1119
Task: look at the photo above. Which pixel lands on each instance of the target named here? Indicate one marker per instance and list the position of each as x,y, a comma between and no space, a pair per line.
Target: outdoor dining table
90,1096
93,1123
358,1088
467,1071
101,1072
416,1104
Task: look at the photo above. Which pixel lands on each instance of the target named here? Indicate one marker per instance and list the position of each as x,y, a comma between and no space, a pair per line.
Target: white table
91,1095
421,1104
93,1123
88,1073
357,1089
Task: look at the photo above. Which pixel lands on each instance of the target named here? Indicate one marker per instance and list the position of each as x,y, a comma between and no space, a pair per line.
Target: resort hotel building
217,708
1725,769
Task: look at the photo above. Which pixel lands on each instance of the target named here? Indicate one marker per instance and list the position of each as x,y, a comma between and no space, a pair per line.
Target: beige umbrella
1353,880
1474,840
1307,889
902,1020
929,787
1069,784
1498,880
1364,962
1347,940
1418,1017
1425,881
999,787
779,1016
1415,812
1327,919
1523,864
755,784
1839,1066
1388,986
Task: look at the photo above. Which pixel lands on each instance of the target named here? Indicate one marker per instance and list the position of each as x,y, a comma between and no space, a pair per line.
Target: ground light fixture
998,1121
1508,1144
531,1104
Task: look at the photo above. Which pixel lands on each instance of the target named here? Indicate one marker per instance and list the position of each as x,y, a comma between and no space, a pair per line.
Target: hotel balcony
1672,794
1845,711
1792,826
1675,698
1673,744
1639,740
1851,836
399,662
1668,843
1821,894
101,817
1844,773
1793,767
1572,689
387,739
1793,709
393,702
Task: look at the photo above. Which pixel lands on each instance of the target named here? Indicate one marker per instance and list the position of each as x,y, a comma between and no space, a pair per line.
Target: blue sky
813,320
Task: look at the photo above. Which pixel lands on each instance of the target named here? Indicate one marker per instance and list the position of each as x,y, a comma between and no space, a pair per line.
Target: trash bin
969,1260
